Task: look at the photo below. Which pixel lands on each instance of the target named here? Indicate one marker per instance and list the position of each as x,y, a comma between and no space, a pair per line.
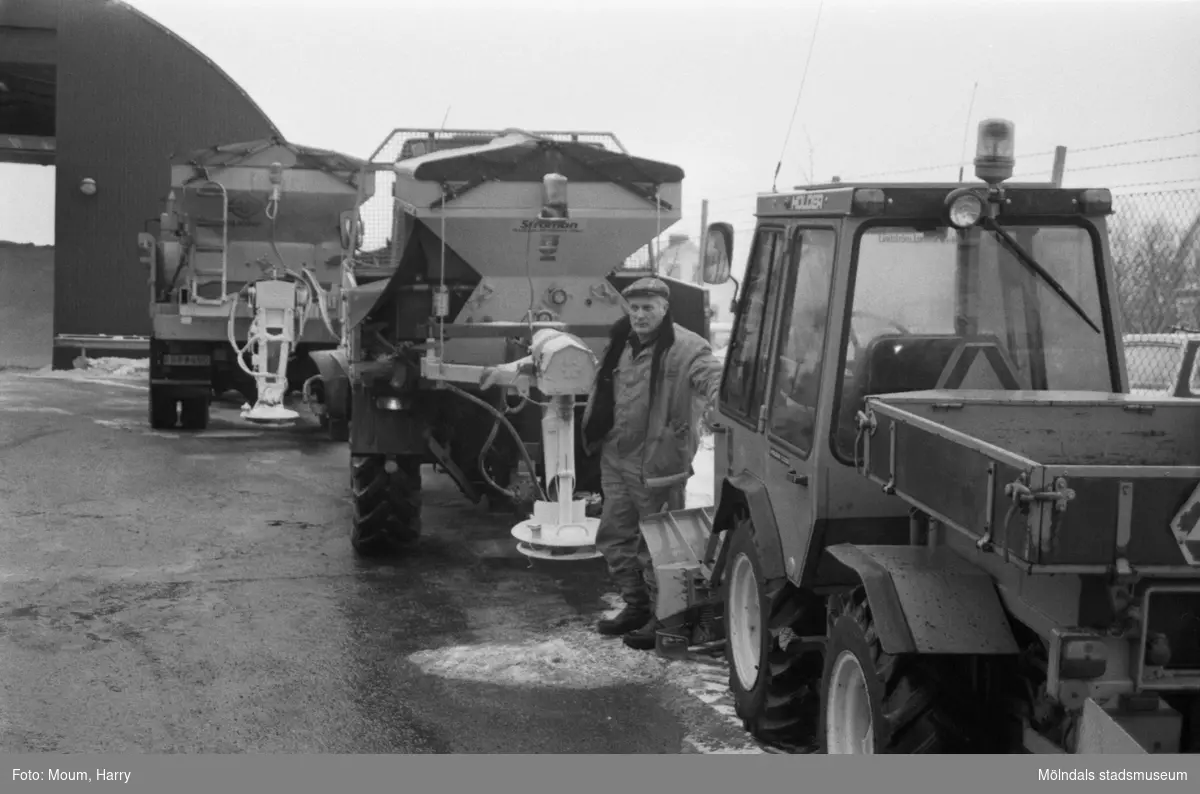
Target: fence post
1060,163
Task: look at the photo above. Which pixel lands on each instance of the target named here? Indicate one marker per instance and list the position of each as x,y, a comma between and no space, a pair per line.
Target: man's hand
513,375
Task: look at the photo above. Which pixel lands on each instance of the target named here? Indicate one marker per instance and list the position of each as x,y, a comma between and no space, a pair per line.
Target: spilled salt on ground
576,659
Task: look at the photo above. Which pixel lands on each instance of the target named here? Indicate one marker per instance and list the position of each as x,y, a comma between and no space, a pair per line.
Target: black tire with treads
919,704
194,413
782,707
338,429
163,412
387,506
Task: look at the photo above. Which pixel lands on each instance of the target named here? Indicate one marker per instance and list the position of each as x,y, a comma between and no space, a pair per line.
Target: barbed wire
741,196
1136,141
1118,165
1158,182
1096,148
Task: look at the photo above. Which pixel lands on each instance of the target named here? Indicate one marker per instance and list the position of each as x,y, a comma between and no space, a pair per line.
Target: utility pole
699,274
1060,163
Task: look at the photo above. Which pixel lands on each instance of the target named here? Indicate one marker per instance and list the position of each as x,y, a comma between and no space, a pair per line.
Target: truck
484,239
245,277
942,522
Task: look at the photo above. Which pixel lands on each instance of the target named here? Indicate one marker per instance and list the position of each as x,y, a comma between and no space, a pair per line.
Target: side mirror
715,256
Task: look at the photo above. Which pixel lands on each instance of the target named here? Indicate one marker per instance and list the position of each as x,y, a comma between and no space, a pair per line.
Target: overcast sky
712,87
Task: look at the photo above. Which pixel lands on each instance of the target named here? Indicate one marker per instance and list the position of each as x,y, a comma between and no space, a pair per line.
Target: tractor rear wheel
877,703
387,504
774,686
338,429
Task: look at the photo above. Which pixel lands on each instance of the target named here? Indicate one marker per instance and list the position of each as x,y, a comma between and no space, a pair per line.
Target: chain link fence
1155,239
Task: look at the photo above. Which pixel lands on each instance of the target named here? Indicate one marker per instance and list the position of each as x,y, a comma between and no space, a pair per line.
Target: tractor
245,275
487,239
942,523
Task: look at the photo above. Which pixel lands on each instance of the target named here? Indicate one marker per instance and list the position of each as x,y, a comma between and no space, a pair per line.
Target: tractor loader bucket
1101,732
678,542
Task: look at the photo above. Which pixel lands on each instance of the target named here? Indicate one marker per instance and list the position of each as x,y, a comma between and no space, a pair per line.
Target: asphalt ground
197,592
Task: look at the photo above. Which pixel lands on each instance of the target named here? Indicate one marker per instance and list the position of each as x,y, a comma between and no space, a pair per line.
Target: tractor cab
859,289
933,487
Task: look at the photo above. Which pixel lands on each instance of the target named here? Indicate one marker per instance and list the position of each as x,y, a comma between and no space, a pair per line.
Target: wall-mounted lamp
88,187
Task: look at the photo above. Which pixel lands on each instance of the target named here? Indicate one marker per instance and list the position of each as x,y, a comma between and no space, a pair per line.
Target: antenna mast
799,93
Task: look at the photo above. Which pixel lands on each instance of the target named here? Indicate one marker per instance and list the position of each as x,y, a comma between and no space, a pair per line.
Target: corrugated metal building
103,92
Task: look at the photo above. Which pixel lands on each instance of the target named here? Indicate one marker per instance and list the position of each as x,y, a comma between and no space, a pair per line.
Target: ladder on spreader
206,248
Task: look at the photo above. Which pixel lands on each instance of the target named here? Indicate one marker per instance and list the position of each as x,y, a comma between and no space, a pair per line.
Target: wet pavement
178,592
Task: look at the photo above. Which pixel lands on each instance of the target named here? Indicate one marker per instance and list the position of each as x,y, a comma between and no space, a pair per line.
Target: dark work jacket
674,379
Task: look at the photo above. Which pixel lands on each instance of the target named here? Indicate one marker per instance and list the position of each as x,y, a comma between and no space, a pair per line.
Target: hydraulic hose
501,418
319,295
232,324
487,447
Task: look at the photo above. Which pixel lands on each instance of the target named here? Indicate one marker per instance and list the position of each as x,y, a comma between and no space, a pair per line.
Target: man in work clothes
643,415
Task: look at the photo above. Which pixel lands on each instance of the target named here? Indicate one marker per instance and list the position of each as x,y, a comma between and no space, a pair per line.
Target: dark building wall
130,95
26,305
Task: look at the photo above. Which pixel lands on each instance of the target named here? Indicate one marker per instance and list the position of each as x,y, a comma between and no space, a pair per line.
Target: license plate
186,361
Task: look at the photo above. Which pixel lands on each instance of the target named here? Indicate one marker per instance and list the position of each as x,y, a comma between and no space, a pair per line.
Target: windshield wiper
1012,245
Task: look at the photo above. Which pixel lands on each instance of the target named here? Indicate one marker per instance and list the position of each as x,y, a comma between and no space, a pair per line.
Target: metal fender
929,600
747,489
331,364
335,374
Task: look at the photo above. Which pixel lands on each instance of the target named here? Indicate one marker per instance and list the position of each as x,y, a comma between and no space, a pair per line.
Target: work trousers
619,539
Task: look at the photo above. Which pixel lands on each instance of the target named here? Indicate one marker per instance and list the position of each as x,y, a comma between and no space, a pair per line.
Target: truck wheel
194,414
338,429
163,413
876,703
387,505
774,688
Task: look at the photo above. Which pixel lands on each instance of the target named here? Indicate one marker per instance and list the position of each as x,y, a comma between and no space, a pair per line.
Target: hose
500,418
487,447
322,308
306,389
231,328
239,350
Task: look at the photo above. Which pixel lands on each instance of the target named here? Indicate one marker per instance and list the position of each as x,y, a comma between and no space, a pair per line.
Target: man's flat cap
647,288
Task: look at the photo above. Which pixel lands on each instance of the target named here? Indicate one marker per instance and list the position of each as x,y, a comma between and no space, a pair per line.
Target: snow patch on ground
578,658
113,367
128,373
99,368
700,488
33,409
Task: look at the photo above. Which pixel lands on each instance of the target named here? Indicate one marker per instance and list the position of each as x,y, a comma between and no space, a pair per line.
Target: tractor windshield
944,308
1153,366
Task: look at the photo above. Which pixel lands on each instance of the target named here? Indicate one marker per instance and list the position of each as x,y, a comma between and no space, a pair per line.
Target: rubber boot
645,638
628,619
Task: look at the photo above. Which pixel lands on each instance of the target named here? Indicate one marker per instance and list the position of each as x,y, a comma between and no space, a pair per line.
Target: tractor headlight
965,210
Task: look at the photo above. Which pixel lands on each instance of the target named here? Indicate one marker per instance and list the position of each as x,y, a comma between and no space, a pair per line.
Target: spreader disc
270,415
561,537
270,422
559,553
